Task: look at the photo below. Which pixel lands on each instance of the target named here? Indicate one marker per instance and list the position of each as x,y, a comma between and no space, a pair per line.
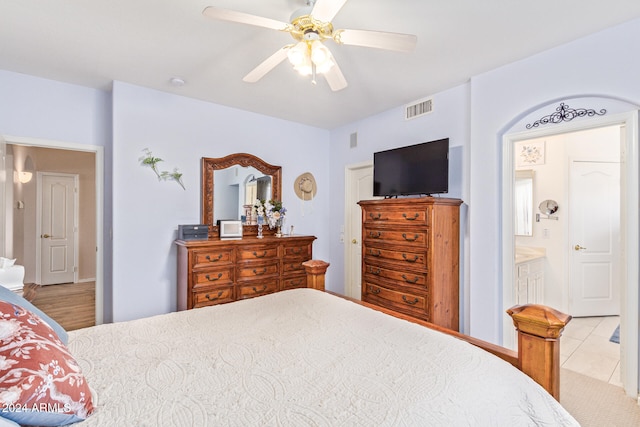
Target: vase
260,220
278,230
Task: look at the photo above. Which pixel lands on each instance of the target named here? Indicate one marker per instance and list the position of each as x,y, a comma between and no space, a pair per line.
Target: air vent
417,109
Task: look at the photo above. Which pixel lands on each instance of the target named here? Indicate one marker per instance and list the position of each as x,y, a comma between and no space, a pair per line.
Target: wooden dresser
410,257
217,271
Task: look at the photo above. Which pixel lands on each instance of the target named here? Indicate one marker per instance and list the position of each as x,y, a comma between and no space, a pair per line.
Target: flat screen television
415,169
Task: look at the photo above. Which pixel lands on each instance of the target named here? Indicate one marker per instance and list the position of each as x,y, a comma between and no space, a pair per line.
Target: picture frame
529,153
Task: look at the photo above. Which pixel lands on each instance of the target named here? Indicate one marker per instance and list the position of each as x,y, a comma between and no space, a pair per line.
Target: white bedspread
299,358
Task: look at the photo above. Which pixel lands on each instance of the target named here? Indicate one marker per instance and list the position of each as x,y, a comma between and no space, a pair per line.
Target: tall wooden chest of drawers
410,257
217,271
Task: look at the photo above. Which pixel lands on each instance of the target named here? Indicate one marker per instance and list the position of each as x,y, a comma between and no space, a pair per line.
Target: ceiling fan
310,26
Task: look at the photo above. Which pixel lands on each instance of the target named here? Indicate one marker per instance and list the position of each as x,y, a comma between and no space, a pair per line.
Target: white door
58,228
594,233
359,183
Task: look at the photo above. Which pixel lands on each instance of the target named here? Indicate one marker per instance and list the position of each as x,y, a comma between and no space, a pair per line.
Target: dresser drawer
415,259
294,282
205,258
293,266
401,276
213,296
253,270
302,251
257,253
396,216
258,288
415,304
416,238
213,277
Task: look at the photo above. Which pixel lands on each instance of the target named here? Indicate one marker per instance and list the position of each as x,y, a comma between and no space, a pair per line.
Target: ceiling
147,42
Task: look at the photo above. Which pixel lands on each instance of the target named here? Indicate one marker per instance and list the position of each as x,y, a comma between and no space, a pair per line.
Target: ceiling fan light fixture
298,54
319,53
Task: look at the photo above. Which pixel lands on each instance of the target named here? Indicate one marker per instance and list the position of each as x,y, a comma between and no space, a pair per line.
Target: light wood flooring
72,305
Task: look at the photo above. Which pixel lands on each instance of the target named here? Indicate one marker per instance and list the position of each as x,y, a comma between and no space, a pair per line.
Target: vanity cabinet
529,282
410,257
218,271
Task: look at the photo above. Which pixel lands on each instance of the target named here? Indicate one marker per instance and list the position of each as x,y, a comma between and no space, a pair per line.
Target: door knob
578,247
45,236
354,241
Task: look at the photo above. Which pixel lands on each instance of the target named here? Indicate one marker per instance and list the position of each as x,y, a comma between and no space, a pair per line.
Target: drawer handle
409,239
375,217
297,251
375,235
376,272
264,254
410,260
415,301
264,270
214,278
375,254
297,282
215,298
374,290
255,290
215,259
404,215
409,280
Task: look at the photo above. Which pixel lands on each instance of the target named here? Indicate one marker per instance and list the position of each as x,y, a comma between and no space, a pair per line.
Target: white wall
146,212
600,65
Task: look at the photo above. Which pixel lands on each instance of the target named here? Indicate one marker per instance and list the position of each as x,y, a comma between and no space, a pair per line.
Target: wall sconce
27,172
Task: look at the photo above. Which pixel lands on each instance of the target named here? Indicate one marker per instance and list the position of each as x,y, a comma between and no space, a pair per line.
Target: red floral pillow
40,382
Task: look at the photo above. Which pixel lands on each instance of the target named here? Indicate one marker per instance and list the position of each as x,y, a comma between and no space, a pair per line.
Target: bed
300,357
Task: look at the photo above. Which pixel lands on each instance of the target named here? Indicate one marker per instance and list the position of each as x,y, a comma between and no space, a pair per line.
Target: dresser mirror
231,184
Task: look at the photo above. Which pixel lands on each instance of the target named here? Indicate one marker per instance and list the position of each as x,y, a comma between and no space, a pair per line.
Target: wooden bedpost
539,329
315,269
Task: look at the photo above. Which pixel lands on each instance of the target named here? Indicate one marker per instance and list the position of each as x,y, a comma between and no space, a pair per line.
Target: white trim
99,172
630,292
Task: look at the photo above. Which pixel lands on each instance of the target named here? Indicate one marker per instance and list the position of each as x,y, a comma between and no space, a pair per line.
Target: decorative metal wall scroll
565,114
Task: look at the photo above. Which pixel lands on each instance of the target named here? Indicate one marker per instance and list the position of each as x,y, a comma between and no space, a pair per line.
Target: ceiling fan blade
267,65
335,78
376,39
326,10
244,18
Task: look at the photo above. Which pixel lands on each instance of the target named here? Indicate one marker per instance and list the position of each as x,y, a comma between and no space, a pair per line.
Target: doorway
359,186
628,143
62,157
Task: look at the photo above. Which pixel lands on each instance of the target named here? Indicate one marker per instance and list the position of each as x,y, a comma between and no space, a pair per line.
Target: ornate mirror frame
209,165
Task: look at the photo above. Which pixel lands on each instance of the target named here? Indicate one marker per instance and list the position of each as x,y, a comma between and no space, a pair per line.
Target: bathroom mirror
232,182
548,207
523,203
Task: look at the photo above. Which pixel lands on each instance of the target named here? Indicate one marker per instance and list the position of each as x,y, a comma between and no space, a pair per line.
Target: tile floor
585,348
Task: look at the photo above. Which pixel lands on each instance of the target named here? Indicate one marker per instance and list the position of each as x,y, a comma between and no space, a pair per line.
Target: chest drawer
415,304
257,253
401,276
396,216
417,238
215,296
213,277
250,271
415,259
205,258
257,289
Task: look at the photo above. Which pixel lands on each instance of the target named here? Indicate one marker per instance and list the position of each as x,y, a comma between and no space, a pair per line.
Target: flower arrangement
272,209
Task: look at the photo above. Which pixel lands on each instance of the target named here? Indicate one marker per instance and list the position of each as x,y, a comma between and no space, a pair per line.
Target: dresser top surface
246,240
